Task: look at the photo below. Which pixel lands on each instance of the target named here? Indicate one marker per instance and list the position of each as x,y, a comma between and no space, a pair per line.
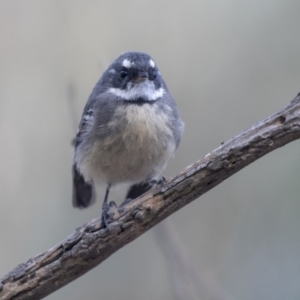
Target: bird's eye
123,73
152,74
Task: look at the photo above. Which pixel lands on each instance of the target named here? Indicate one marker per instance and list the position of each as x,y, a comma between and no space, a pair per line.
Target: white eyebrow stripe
151,63
127,63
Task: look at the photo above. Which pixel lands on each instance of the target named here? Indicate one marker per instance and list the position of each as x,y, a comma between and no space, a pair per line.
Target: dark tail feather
137,190
83,192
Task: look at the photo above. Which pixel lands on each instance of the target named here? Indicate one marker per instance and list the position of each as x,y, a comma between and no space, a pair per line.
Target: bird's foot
139,189
157,182
108,213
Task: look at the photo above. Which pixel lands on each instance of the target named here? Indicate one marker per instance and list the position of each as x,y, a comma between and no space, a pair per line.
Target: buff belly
138,148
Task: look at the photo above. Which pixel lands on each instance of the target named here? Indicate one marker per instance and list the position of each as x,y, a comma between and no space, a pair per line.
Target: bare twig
91,244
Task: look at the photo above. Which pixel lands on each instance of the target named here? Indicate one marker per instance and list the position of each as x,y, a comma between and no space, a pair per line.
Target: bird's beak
142,76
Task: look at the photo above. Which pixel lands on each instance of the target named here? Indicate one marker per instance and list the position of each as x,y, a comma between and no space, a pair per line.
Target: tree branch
91,244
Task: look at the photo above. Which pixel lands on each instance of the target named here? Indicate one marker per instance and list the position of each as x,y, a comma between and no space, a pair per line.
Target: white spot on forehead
151,63
127,63
112,71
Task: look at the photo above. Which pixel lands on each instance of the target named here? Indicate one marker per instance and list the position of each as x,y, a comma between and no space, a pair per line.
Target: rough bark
91,244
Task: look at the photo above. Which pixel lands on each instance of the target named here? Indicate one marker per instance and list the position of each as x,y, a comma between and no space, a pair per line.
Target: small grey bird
130,127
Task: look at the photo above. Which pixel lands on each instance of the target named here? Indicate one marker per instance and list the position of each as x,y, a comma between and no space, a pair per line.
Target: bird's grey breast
134,145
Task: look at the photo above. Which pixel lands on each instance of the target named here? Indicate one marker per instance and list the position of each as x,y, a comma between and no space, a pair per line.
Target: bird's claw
157,182
108,212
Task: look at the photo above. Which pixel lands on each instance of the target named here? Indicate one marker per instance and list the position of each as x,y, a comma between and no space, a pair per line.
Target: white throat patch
145,90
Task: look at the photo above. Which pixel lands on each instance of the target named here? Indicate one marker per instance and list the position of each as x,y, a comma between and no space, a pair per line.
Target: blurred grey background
228,64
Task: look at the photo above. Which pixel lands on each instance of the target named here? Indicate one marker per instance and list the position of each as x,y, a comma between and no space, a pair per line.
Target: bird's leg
105,207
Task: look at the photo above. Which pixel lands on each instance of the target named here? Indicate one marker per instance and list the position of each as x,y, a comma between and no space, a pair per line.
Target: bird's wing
86,120
83,192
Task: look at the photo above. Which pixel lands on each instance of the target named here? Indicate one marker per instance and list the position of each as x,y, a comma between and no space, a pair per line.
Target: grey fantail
130,128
